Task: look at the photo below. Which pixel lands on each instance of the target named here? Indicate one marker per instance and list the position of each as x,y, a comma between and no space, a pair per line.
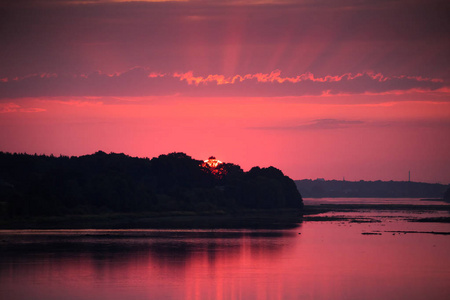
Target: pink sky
330,89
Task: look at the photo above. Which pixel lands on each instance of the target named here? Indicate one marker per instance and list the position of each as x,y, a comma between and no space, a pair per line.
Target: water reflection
145,262
328,260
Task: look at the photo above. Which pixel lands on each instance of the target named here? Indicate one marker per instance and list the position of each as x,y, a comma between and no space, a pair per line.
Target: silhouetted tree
447,195
38,185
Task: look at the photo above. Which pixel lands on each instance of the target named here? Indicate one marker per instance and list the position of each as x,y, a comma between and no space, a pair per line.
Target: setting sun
214,166
212,162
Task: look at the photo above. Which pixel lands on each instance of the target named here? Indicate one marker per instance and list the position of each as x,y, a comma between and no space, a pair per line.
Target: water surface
317,260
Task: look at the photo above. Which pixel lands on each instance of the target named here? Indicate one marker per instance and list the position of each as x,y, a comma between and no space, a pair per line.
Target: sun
214,166
212,162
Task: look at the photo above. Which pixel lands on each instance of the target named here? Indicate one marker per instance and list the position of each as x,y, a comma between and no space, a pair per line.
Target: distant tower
409,176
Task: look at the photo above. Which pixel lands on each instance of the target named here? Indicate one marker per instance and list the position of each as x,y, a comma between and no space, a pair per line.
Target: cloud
225,37
333,124
140,82
330,124
318,124
13,107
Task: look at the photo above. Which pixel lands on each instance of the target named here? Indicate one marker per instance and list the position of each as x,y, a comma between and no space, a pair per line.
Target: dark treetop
38,185
447,195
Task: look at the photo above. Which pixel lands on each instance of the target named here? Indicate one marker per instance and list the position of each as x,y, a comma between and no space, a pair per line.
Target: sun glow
212,162
214,166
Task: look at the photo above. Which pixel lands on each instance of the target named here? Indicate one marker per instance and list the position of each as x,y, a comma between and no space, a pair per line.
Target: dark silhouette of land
447,195
118,191
384,189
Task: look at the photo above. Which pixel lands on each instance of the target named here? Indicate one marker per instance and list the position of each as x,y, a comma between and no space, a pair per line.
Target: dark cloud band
140,82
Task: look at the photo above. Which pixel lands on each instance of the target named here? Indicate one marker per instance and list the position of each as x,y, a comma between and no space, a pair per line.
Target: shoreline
252,219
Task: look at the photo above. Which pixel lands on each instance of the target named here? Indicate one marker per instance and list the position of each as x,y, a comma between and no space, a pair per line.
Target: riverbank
253,219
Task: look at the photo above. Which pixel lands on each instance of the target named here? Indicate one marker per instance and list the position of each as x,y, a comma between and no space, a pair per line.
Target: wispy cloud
330,124
139,82
318,124
340,124
13,108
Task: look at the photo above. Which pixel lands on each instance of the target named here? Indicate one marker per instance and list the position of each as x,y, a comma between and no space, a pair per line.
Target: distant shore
321,188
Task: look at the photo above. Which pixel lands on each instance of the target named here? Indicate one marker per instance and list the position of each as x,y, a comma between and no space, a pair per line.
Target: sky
354,89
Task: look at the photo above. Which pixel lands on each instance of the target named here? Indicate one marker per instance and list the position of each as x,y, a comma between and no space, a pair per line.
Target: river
368,254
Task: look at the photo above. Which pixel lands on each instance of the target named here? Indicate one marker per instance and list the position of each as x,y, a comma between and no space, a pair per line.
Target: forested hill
33,185
447,195
395,189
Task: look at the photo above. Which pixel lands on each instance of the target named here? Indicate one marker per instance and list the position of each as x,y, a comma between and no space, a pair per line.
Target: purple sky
319,88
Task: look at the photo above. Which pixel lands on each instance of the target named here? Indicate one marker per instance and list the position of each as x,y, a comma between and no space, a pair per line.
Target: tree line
40,185
395,189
